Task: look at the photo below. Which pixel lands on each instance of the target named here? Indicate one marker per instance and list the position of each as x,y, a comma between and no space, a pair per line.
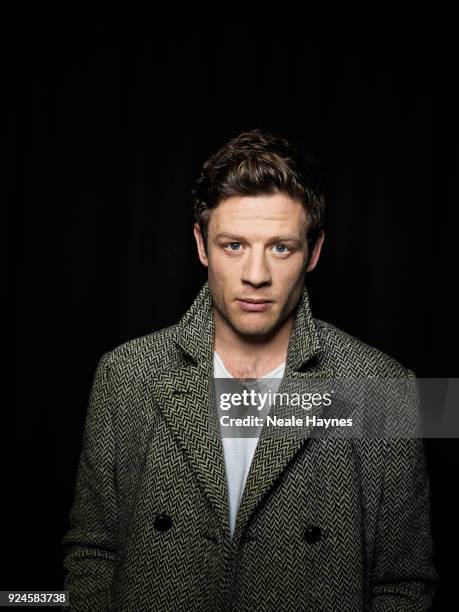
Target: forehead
261,214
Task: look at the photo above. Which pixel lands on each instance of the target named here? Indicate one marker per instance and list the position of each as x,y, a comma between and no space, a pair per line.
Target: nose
256,271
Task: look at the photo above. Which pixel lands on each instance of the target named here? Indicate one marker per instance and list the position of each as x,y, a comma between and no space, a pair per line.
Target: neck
250,357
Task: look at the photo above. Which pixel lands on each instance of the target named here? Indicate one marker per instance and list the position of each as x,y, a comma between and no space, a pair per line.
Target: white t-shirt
239,452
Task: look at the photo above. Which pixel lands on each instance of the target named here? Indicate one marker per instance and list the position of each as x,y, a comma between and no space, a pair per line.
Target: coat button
163,522
312,534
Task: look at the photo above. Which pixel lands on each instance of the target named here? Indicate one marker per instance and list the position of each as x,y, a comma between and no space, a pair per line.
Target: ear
200,245
316,252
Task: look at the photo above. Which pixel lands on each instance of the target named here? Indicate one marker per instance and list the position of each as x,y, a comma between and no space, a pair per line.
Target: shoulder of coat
350,356
155,352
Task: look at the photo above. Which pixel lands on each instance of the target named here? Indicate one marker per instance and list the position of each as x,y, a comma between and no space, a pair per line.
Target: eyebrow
238,238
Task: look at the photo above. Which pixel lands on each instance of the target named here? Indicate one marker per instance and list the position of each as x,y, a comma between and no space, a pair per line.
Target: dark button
248,539
163,522
179,392
210,537
312,534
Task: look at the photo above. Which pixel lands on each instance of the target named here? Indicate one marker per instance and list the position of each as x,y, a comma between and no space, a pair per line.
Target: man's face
256,255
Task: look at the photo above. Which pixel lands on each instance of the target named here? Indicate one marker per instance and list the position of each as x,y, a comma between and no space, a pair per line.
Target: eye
281,249
233,246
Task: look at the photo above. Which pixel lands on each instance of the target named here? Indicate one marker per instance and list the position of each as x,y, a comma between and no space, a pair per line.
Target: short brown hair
258,163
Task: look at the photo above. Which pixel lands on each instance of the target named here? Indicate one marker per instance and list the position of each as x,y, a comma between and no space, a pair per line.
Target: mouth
252,305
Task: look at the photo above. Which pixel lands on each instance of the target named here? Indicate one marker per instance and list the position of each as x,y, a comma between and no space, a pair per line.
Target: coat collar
195,332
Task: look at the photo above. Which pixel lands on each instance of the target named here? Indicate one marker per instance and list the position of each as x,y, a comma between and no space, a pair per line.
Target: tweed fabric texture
324,524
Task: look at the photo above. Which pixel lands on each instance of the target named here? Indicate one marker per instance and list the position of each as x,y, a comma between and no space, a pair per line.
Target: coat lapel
185,397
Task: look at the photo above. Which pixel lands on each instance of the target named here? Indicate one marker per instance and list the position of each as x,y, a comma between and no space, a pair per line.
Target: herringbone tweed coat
324,524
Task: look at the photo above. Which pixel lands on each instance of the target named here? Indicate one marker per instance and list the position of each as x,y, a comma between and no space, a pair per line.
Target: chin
254,329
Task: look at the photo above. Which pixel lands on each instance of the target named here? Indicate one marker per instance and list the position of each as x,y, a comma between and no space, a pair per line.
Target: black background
108,123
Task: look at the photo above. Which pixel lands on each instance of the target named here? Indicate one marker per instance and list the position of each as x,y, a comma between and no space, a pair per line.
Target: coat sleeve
90,545
403,575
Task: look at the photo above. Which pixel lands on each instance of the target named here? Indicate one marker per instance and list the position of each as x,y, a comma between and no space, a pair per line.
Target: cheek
290,271
221,273
223,265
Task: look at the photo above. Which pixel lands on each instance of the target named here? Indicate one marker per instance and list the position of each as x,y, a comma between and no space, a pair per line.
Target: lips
252,305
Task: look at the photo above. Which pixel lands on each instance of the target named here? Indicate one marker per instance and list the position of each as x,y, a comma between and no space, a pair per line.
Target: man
169,514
